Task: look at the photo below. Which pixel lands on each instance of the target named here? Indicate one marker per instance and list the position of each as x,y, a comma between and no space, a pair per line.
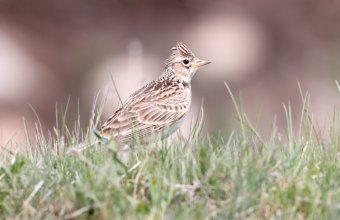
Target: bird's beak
200,63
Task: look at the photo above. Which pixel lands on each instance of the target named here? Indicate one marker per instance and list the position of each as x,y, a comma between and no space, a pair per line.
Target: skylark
158,108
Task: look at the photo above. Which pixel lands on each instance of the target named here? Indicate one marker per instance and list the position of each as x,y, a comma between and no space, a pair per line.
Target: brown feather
149,110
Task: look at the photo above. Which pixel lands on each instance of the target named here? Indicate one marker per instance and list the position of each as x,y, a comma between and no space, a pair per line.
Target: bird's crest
182,49
179,50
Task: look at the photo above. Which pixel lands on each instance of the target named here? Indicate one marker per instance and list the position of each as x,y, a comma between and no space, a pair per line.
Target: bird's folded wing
142,120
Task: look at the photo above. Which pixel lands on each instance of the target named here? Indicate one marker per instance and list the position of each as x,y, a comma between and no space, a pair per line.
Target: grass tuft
240,176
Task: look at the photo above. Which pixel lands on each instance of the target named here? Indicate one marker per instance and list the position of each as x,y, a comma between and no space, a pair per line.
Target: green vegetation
241,176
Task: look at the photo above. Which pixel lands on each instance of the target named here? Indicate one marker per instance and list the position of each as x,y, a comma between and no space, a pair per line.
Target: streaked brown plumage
159,107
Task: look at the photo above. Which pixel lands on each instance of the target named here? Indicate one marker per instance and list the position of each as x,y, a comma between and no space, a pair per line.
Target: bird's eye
186,61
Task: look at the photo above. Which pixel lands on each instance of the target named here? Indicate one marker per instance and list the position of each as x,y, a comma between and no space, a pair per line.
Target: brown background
53,50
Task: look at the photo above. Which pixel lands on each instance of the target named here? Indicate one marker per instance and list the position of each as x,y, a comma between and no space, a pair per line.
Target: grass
241,176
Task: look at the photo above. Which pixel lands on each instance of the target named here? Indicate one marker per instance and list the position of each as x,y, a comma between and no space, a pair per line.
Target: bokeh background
53,50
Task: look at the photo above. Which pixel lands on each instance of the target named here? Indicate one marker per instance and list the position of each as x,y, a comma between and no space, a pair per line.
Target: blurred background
51,51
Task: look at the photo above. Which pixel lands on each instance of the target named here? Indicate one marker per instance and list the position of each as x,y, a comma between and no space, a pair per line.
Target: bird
158,108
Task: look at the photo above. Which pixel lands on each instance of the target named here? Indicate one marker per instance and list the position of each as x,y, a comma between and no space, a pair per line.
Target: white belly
172,128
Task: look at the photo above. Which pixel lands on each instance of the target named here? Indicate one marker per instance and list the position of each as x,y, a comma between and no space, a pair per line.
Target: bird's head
183,63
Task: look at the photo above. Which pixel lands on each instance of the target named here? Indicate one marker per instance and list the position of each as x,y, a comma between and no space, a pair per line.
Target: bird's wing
146,114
